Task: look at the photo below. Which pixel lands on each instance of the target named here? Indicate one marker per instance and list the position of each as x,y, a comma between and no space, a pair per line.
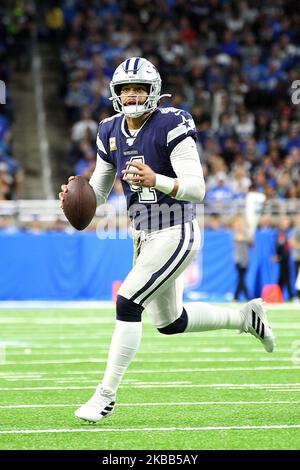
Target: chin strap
111,98
166,95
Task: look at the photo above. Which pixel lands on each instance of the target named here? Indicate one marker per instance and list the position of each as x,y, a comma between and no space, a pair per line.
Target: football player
153,150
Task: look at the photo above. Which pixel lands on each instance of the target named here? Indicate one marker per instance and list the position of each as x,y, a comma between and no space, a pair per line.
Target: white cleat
100,406
256,323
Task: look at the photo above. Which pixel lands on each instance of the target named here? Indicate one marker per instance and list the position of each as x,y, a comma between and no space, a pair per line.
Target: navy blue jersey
153,144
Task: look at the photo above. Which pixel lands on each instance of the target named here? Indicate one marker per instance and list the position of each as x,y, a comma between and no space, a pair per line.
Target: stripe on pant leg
187,251
158,273
164,275
258,325
253,319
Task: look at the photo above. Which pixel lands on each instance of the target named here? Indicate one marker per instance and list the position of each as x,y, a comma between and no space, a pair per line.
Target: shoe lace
101,397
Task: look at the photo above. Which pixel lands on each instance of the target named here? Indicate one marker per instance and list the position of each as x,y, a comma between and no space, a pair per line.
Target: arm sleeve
186,164
102,180
185,161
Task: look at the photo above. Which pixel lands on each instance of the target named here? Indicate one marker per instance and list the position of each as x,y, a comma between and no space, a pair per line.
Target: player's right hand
64,190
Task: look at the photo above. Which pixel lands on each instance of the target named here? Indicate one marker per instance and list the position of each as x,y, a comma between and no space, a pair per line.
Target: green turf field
215,390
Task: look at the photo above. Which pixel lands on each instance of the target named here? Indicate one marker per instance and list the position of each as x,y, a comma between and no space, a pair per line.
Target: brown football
79,203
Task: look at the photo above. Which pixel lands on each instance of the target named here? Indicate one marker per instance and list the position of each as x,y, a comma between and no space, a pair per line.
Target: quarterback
153,151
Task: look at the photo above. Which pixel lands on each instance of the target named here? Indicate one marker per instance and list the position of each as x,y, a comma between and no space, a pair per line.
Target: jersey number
145,194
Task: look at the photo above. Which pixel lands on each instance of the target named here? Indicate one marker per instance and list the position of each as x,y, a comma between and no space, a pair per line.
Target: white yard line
39,343
38,352
86,373
17,347
268,386
108,304
99,319
31,322
196,369
193,403
184,428
156,361
49,304
103,352
82,376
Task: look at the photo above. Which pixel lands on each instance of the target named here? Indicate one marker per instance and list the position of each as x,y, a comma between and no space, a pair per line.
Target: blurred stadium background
232,64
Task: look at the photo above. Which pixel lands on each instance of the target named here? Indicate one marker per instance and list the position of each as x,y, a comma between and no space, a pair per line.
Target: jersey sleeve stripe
174,133
100,145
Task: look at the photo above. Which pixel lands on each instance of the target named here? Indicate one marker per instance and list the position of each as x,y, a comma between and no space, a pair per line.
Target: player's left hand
139,174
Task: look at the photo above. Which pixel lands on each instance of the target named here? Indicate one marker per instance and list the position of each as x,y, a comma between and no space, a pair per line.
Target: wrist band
164,183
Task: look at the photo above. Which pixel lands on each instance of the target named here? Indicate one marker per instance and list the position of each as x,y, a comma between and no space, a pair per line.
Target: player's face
134,93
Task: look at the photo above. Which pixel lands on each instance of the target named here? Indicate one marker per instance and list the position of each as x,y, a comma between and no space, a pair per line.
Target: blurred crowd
231,64
234,65
16,22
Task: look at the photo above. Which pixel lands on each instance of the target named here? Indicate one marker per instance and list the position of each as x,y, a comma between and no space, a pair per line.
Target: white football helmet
136,70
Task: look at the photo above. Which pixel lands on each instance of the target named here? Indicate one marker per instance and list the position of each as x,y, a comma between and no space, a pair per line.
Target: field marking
22,320
268,386
192,403
82,377
104,351
157,351
55,304
33,321
183,428
17,347
56,321
92,304
155,361
95,349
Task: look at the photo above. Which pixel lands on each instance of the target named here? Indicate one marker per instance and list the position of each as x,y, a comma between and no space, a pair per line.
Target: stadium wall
80,266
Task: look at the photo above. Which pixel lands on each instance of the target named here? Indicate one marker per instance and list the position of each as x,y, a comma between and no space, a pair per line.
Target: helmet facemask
135,110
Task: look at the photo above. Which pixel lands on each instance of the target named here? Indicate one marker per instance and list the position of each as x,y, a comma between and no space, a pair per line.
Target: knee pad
178,326
128,310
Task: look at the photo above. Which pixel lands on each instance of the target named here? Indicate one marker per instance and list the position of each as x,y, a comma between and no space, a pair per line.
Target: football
79,203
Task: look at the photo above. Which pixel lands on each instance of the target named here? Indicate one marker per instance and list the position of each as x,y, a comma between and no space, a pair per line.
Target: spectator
35,226
241,244
5,181
7,224
86,123
236,62
253,208
86,165
295,244
58,225
220,191
13,174
283,256
215,222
